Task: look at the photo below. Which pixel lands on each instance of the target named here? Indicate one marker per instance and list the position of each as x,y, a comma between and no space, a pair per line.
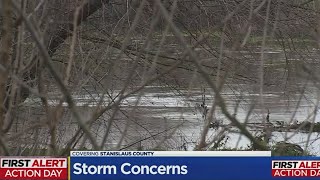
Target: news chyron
296,168
33,168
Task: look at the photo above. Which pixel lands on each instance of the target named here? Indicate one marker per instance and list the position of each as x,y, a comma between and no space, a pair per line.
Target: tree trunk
6,43
57,33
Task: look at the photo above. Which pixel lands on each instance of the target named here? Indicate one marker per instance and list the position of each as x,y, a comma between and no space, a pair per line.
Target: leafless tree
100,74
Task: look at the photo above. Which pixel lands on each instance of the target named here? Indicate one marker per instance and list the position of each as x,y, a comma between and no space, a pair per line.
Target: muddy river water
170,118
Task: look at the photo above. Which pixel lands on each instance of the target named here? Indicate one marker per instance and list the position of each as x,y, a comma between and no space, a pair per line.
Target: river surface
170,118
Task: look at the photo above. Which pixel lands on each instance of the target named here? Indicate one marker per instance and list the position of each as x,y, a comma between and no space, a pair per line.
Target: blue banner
167,168
189,167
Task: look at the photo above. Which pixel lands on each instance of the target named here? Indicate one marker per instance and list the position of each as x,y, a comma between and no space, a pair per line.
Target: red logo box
33,168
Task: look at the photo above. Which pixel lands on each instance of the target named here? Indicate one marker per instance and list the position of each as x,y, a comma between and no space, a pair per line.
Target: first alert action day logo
33,168
295,168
